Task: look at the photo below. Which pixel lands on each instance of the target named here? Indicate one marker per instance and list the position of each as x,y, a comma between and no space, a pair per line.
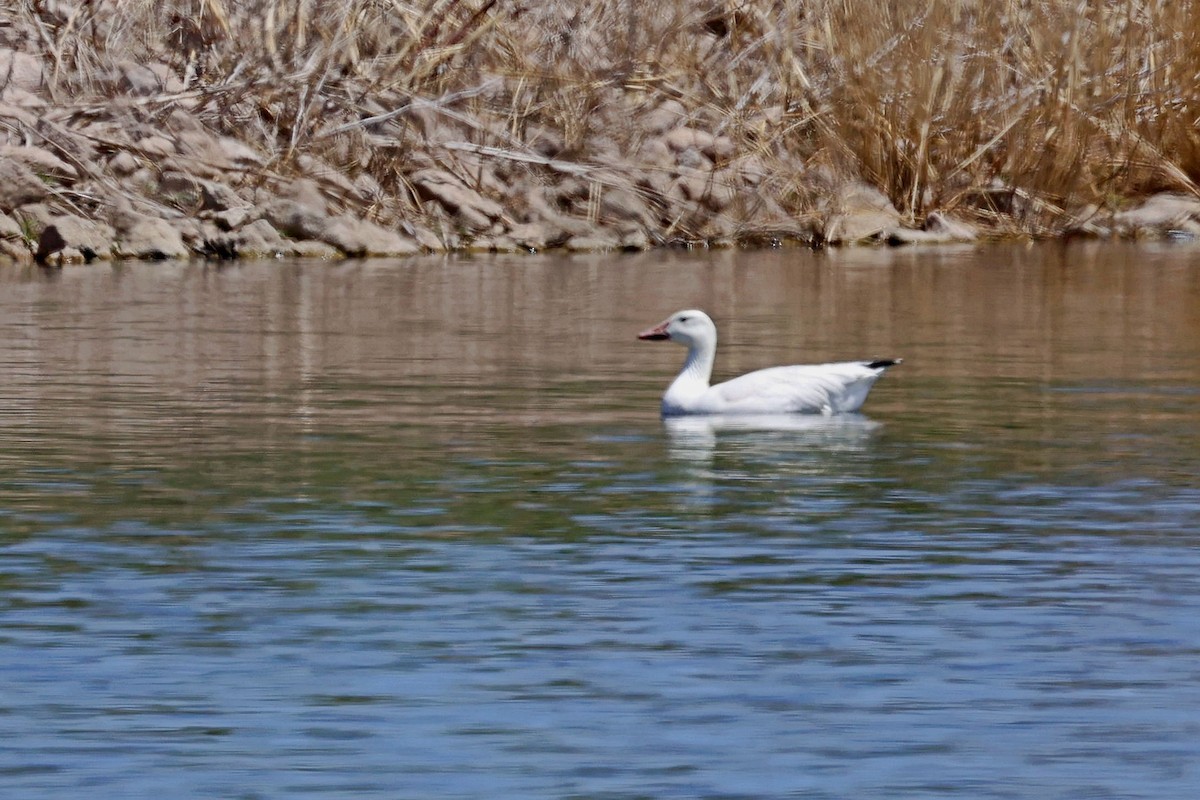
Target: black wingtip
884,363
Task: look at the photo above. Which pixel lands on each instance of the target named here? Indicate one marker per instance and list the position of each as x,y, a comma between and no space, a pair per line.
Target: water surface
414,529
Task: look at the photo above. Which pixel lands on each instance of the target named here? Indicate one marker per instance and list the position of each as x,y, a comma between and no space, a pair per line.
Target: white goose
810,389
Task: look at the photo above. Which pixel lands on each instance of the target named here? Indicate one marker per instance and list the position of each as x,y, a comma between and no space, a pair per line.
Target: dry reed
1017,113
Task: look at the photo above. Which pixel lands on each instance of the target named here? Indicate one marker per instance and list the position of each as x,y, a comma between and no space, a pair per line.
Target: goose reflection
695,438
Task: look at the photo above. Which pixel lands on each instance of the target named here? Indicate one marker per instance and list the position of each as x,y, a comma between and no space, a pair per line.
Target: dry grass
1013,113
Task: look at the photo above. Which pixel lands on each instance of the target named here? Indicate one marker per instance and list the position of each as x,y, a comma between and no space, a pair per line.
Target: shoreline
138,137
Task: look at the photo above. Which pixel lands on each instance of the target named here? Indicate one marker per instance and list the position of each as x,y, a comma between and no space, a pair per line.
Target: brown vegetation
608,123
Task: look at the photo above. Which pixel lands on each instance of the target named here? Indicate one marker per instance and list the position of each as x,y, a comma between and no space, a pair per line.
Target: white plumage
810,389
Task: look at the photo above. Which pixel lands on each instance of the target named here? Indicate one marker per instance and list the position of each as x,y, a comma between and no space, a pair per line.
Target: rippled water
414,529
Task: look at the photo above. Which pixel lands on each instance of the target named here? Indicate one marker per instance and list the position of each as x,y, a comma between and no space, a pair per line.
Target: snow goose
811,389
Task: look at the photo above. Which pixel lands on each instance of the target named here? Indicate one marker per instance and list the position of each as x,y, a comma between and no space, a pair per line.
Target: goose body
827,389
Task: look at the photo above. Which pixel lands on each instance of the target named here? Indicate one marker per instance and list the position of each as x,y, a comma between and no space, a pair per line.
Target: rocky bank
152,158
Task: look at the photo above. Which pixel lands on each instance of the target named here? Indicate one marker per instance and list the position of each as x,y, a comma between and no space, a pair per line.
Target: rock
145,237
182,120
124,163
194,232
367,188
155,147
473,209
361,238
939,229
239,154
179,189
130,77
1159,214
144,80
751,170
307,248
558,226
216,152
713,192
19,186
188,191
18,114
89,239
34,216
1088,221
256,240
636,239
216,196
598,239
232,219
41,162
544,141
624,203
19,71
859,212
319,171
714,148
306,192
13,244
655,153
141,182
168,80
295,219
530,236
75,146
424,237
12,250
669,114
10,228
958,230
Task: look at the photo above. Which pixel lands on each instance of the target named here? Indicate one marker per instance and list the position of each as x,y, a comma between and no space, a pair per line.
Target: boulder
155,147
10,228
130,77
714,148
471,208
669,114
17,112
306,192
124,163
425,237
13,245
654,153
635,239
190,191
319,172
360,238
939,229
11,250
42,162
86,239
19,71
232,219
1158,215
146,237
255,240
596,239
19,185
857,213
295,219
529,236
307,248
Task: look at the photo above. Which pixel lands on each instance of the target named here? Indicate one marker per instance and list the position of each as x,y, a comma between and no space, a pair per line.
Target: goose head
691,328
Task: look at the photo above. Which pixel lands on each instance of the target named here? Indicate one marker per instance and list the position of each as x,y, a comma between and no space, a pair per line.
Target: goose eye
683,319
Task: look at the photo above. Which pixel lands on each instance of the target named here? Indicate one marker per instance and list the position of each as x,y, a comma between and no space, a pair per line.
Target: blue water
414,529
